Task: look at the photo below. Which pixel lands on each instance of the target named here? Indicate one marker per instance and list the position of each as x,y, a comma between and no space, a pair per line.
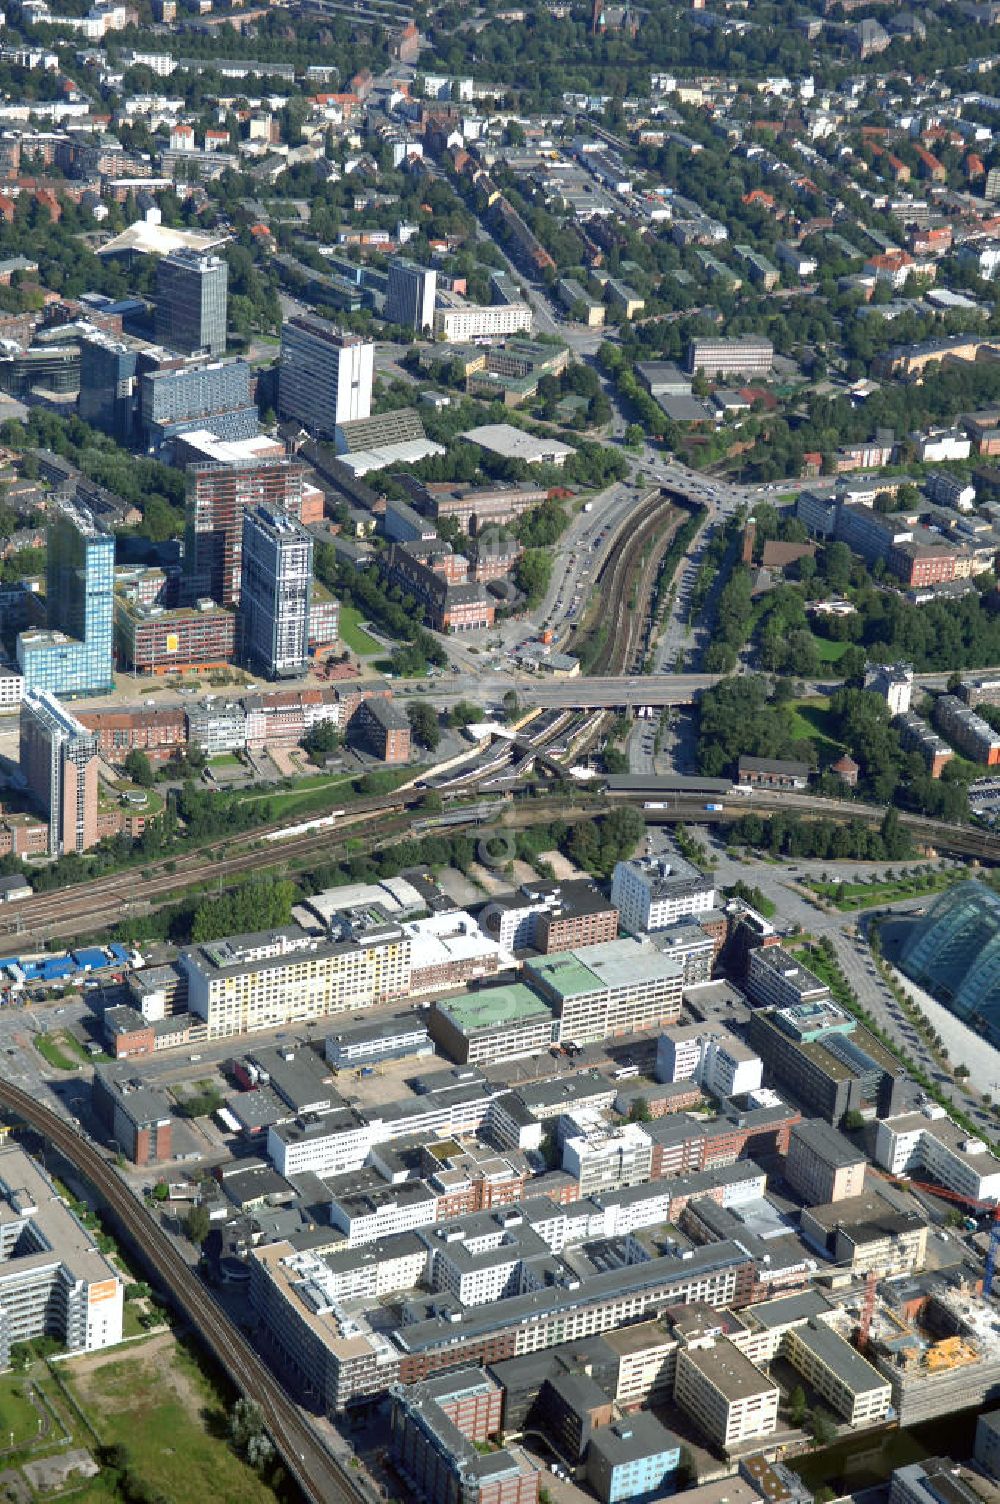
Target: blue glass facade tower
74,653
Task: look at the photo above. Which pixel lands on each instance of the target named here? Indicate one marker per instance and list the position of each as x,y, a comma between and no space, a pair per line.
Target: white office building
651,893
462,322
324,376
929,1143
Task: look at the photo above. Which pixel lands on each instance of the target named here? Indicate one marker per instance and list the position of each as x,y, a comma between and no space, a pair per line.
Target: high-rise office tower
191,300
108,384
218,495
59,762
276,594
410,295
325,376
74,653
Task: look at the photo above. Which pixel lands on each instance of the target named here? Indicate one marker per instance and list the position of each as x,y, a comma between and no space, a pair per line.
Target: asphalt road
780,885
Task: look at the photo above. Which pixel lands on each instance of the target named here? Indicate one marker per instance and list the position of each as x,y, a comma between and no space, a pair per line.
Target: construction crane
867,1312
990,1207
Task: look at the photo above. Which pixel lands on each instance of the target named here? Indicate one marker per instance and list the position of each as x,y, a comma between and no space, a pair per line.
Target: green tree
822,1427
196,1225
139,768
321,741
464,713
797,1409
424,724
639,1111
532,574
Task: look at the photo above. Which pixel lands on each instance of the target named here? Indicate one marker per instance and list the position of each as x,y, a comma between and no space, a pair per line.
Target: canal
857,1462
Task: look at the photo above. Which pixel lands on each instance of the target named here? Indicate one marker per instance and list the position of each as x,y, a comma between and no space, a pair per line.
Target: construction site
938,1345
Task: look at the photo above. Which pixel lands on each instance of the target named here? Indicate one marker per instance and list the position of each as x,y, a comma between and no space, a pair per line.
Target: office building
276,592
827,1061
495,1023
74,653
750,356
410,295
152,640
940,1480
439,1430
776,980
929,1143
601,1156
136,1116
599,991
720,1062
54,1282
196,395
249,982
324,376
987,1447
550,916
839,1374
108,384
192,289
463,321
727,1395
218,496
868,1233
631,1459
822,1165
370,1042
651,893
58,758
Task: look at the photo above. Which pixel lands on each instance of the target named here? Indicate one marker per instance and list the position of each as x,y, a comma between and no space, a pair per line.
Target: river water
857,1462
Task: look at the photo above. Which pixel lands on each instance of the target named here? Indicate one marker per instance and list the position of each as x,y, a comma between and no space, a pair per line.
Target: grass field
50,1050
352,636
811,720
159,1404
827,651
847,896
18,1416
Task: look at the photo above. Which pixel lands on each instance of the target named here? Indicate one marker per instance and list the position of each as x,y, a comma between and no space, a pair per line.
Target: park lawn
811,721
848,896
827,651
162,1407
225,760
352,636
18,1416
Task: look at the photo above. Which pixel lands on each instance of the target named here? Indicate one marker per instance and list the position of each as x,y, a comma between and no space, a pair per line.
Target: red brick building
158,732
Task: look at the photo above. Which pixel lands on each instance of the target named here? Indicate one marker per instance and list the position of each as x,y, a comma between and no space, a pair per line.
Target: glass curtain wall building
955,954
74,653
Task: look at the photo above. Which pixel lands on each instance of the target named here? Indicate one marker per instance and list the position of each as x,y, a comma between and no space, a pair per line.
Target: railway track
317,1472
623,561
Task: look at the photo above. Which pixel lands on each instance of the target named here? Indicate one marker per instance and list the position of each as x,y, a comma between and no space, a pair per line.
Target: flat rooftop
729,1371
492,1007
